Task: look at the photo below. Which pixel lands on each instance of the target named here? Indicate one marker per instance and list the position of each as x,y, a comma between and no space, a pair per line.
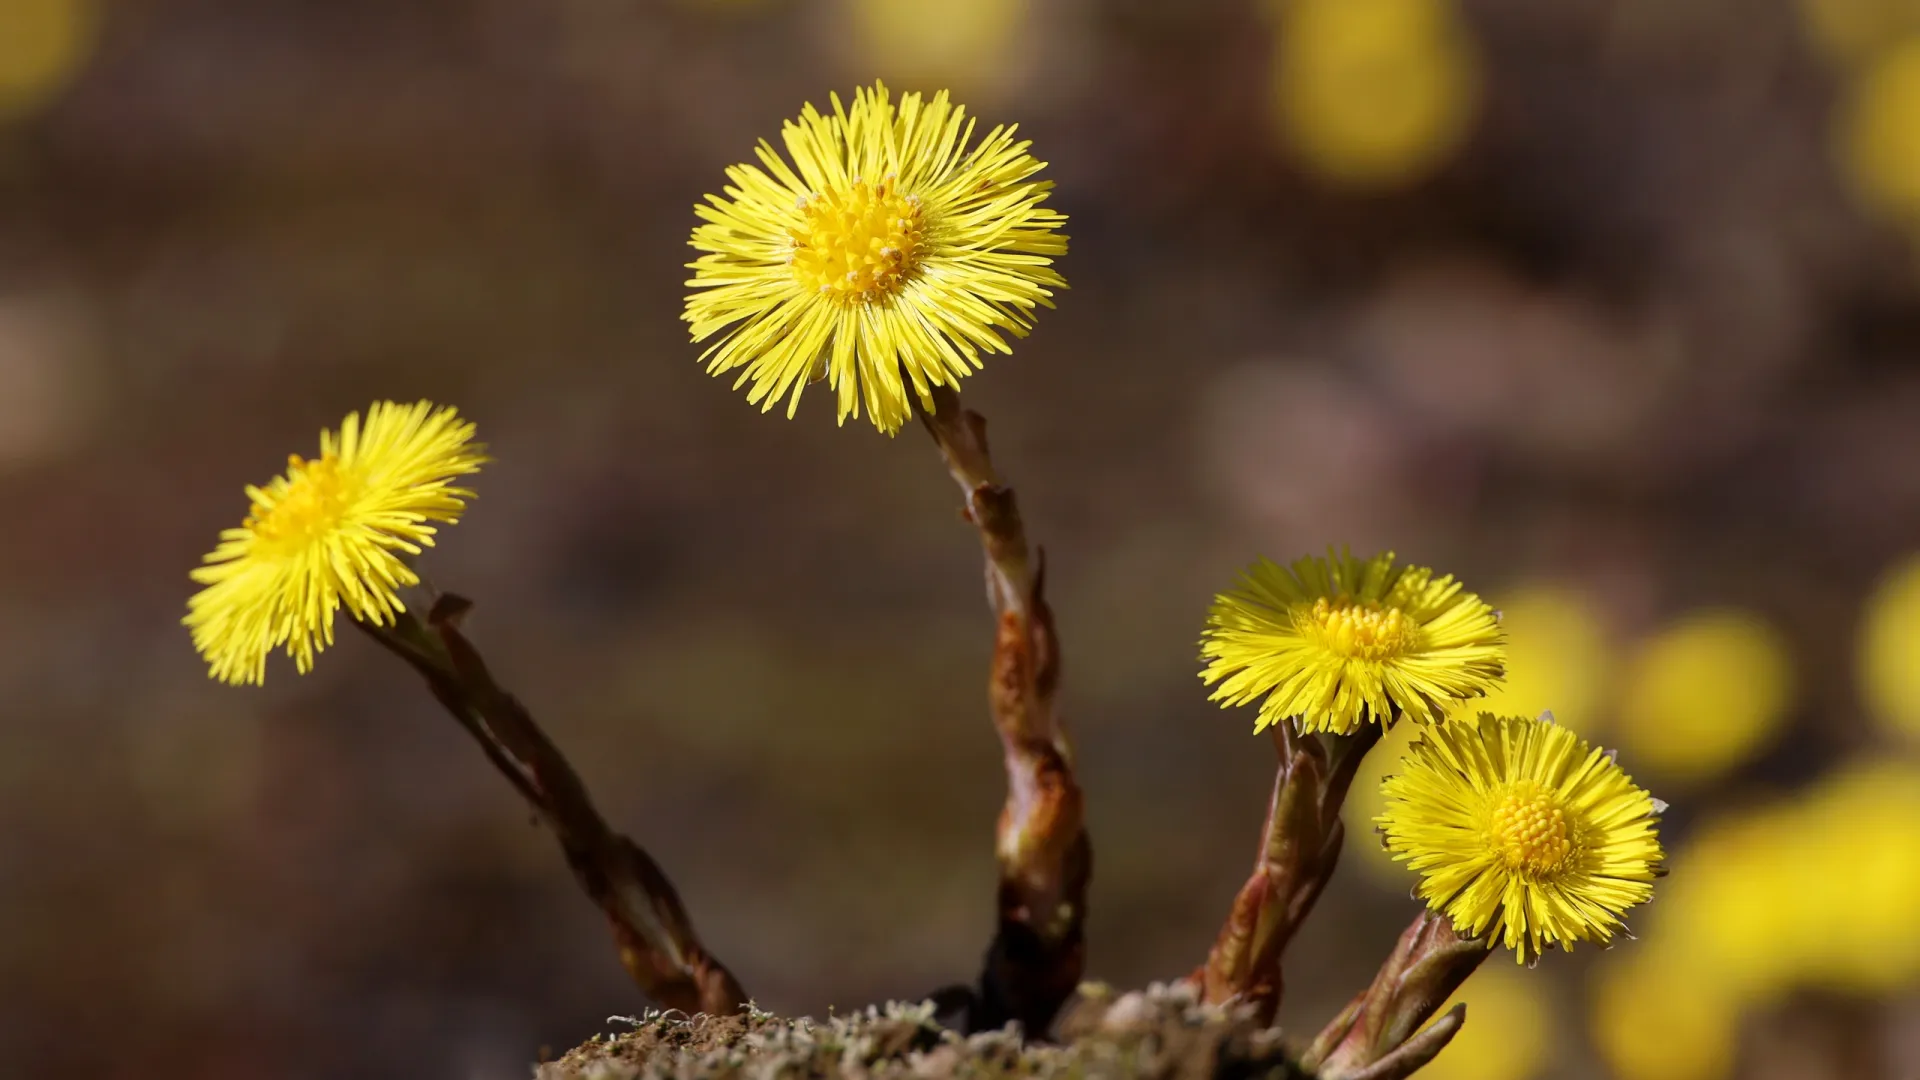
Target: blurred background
1608,306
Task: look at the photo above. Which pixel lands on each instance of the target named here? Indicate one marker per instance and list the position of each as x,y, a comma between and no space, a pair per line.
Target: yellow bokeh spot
1373,92
1859,845
42,45
1850,31
1655,1018
1738,902
1559,658
1704,694
727,7
1818,889
969,47
1889,658
1878,133
1507,1032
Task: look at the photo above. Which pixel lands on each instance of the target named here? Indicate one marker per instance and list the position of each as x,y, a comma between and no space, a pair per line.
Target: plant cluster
882,255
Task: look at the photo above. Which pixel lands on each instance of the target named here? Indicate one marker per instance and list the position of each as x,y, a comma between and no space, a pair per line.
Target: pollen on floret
859,245
1366,629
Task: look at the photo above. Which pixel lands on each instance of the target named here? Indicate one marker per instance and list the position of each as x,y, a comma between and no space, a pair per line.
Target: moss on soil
1157,1034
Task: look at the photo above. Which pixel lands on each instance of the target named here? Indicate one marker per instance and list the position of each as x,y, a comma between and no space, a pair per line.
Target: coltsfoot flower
328,534
1338,642
1521,831
887,255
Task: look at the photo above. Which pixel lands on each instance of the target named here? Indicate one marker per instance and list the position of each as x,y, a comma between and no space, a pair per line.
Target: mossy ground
1157,1034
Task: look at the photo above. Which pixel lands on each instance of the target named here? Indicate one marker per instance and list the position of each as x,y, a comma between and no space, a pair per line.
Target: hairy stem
1039,946
655,937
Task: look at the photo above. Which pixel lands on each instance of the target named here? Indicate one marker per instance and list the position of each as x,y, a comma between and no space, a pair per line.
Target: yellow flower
1522,832
888,254
1339,641
325,536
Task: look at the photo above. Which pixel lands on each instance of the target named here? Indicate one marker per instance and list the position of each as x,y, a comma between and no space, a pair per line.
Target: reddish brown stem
655,937
1299,849
1427,965
1039,947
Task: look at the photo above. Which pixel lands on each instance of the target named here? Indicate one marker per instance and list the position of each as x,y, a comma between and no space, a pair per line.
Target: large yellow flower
325,535
887,255
1340,641
1521,831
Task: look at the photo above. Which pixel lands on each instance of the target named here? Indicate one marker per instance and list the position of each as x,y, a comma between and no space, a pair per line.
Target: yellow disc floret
1368,631
1529,830
317,494
860,245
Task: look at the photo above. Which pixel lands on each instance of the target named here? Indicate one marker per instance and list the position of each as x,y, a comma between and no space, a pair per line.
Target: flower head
329,533
1339,641
887,254
1522,831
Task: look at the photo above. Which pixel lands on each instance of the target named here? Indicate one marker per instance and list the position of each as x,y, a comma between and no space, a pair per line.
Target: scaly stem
1382,1025
1039,947
650,925
1299,848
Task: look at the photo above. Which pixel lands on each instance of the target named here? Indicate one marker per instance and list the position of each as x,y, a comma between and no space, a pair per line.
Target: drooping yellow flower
887,255
1522,831
1340,641
329,534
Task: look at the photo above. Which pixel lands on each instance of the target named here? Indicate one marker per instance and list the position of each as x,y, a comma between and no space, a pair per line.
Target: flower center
1529,830
312,504
1368,631
858,245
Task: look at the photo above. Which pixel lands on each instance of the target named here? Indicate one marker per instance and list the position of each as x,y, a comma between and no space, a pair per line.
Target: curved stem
655,937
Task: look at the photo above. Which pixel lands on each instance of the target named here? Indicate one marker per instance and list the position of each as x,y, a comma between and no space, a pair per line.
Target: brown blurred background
1607,306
